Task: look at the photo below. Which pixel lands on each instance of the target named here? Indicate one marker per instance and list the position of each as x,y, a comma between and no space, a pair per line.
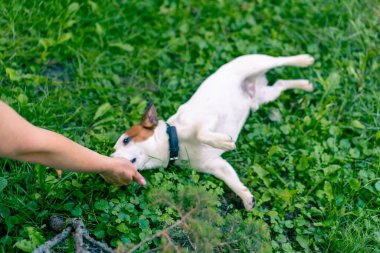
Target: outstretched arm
22,141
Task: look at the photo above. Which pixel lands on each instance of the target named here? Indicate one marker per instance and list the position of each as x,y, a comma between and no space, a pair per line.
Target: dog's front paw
224,142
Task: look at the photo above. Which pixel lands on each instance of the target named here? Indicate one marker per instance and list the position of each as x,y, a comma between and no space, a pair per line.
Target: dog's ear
149,119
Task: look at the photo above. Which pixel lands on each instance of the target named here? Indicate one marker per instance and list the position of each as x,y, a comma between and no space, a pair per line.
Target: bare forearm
57,151
22,141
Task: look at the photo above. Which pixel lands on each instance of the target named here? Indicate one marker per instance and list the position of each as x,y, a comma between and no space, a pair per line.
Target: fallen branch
79,233
47,246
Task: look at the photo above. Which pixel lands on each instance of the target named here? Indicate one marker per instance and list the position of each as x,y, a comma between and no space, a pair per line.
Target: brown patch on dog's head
138,133
145,129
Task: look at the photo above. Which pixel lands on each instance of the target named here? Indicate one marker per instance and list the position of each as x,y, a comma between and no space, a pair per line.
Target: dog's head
139,143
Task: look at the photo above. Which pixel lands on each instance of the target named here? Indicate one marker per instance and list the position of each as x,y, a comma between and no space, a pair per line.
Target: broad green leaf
285,129
260,171
286,195
302,164
68,206
69,23
332,81
354,184
100,123
344,144
73,7
13,74
100,234
287,247
377,186
101,137
335,131
143,224
93,5
77,211
328,191
4,212
136,100
273,150
331,142
331,169
104,108
357,124
101,204
99,29
354,153
22,99
303,241
3,183
76,184
122,228
307,120
125,239
122,216
35,235
123,46
64,37
195,176
272,214
289,224
46,43
25,245
377,135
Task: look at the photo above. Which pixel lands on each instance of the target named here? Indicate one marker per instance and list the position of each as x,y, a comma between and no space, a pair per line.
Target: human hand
122,172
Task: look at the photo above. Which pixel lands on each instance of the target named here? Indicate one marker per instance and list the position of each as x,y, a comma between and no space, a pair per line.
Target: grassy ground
87,69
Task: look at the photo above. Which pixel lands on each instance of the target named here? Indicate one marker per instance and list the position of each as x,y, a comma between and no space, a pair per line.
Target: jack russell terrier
210,122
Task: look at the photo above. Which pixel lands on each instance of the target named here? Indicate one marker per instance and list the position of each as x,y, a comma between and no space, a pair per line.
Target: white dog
210,122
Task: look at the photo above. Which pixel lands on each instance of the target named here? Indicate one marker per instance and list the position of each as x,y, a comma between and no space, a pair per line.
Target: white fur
210,122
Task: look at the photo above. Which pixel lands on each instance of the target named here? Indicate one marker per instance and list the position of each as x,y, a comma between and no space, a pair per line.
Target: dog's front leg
205,132
221,169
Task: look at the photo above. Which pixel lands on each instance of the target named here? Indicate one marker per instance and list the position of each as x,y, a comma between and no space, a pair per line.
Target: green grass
315,174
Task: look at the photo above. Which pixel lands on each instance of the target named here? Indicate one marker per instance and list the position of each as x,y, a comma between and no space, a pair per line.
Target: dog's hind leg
224,171
255,64
269,93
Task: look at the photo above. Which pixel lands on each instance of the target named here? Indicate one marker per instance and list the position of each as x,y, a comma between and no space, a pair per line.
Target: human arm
23,141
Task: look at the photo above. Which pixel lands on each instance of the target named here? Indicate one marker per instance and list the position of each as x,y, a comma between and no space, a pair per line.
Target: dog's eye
133,160
127,140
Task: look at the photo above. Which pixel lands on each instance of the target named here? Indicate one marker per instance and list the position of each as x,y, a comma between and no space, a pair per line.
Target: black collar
173,143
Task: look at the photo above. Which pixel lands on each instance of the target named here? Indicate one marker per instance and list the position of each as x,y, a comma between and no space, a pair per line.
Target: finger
126,180
119,182
139,178
109,180
106,179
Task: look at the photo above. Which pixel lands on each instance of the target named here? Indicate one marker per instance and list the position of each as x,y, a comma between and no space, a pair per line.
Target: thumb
139,178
